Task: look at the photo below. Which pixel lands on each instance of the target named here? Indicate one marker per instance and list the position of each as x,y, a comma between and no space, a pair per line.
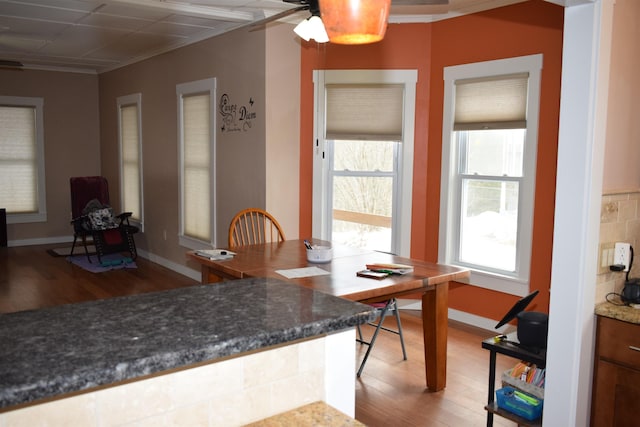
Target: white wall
622,150
282,73
585,78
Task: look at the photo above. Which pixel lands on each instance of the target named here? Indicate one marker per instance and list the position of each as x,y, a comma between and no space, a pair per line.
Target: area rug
109,262
66,251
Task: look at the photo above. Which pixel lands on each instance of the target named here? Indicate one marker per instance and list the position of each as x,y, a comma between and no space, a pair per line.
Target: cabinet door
616,396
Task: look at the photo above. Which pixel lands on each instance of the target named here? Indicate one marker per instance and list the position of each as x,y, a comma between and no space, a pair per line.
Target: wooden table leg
209,276
435,326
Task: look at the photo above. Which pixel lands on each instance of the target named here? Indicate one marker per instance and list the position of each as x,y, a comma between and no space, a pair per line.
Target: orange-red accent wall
523,29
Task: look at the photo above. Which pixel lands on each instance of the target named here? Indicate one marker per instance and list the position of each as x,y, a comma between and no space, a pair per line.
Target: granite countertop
620,312
77,347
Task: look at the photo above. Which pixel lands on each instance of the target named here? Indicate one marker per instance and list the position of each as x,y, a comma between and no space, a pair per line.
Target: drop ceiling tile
77,5
115,22
80,40
233,4
134,45
182,30
148,13
192,20
40,13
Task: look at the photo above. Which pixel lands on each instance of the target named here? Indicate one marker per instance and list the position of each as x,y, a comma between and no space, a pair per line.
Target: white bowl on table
319,254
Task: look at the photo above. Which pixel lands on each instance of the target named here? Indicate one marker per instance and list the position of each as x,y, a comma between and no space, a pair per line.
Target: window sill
496,282
26,218
193,244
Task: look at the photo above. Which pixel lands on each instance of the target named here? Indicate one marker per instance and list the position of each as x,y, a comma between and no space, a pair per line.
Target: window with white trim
22,192
363,158
130,150
196,134
490,127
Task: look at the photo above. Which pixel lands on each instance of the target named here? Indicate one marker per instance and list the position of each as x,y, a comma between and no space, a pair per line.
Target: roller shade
18,159
130,133
196,158
364,112
498,102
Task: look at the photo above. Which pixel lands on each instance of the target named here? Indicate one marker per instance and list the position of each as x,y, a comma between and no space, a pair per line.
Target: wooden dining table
339,278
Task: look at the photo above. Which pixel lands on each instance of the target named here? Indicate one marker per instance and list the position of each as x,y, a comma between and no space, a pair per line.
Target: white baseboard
178,268
40,241
409,304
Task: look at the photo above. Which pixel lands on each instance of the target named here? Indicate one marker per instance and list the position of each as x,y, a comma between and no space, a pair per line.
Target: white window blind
130,146
196,166
497,102
19,160
364,112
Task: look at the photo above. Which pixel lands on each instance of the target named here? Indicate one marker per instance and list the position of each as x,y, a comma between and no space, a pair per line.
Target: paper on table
295,273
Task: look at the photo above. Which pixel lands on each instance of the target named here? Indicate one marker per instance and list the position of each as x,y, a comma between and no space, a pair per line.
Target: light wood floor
390,392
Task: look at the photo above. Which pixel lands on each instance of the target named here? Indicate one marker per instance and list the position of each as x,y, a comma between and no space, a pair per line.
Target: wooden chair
252,226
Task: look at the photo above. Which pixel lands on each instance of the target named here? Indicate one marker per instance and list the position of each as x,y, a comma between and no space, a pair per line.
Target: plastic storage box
519,403
508,380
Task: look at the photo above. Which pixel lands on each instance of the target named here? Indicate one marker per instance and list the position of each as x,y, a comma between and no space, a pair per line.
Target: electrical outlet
622,255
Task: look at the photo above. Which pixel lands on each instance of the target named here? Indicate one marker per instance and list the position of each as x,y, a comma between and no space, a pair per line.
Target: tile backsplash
619,222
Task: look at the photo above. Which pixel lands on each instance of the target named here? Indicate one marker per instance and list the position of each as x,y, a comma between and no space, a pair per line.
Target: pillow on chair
92,205
102,219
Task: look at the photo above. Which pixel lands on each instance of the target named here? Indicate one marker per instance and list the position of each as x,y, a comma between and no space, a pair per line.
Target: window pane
489,223
363,155
131,198
492,152
197,216
362,208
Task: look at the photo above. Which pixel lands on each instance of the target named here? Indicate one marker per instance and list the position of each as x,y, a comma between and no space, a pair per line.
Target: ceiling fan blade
10,64
418,2
280,15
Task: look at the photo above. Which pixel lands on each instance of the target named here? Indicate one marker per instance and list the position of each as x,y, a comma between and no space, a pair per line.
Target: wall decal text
236,118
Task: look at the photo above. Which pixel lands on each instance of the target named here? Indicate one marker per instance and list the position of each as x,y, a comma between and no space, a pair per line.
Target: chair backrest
252,226
85,189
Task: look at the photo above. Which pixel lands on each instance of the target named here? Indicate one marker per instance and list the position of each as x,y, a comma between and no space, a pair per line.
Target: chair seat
378,304
383,308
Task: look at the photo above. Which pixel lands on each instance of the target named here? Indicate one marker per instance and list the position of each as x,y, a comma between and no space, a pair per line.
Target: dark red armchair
92,216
